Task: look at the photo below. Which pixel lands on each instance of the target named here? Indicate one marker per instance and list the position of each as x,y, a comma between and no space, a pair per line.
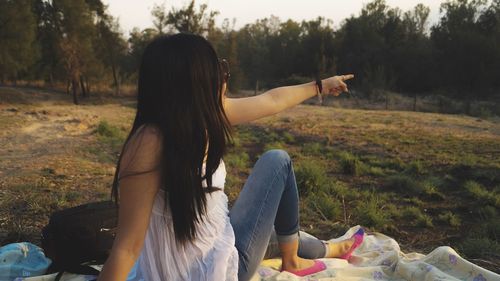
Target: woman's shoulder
146,136
148,130
143,150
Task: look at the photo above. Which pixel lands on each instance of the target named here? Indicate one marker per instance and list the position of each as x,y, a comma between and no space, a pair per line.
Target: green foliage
419,219
374,171
404,184
488,212
450,218
350,164
371,212
288,138
274,145
311,177
111,136
479,247
80,37
106,130
237,160
478,192
415,168
340,189
326,205
18,51
312,149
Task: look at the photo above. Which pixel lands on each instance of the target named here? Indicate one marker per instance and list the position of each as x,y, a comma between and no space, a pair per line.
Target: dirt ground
51,158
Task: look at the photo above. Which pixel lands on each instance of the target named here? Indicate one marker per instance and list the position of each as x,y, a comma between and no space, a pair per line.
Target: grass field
425,179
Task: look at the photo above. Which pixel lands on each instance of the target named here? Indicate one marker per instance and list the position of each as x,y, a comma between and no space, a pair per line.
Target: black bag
78,235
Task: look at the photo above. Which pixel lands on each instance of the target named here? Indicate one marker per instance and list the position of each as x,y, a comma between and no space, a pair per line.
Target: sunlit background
138,13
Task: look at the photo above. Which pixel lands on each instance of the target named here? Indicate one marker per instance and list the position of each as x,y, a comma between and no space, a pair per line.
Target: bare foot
296,264
337,249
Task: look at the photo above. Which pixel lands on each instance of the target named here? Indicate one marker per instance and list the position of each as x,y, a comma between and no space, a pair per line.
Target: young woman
174,223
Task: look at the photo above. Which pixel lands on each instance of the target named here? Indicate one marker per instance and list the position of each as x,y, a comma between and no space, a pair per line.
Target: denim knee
278,155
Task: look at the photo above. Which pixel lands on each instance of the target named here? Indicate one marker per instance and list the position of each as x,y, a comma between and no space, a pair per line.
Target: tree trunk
51,80
386,101
82,85
256,87
87,86
68,86
74,85
115,78
415,102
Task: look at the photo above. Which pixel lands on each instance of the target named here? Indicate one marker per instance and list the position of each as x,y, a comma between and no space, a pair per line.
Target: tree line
79,43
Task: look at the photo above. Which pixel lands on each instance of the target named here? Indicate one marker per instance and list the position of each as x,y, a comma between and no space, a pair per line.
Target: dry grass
55,155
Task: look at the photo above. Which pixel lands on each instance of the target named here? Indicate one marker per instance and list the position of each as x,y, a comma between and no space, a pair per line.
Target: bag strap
77,269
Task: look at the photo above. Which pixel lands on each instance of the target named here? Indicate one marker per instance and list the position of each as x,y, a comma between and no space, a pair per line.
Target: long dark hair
180,93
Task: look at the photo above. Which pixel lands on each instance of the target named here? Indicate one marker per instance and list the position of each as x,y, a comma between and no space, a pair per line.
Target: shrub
311,177
429,187
478,192
312,149
420,219
450,218
104,129
288,138
372,213
329,207
274,145
375,171
488,212
339,189
237,160
479,247
110,135
350,164
404,184
415,168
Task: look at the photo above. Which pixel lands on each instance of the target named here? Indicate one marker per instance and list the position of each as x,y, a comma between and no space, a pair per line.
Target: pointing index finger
347,77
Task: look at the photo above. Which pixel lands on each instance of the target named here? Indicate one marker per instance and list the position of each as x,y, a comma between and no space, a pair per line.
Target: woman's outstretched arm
241,110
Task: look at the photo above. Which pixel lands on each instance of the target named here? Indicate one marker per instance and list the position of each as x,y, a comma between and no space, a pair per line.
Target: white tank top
212,256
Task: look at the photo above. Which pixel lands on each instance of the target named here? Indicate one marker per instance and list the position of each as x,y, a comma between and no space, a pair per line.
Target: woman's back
211,256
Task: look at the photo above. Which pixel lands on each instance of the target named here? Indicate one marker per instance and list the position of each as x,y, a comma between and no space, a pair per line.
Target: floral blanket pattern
379,258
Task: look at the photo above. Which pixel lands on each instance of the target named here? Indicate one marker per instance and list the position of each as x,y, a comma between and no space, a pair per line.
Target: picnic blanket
378,258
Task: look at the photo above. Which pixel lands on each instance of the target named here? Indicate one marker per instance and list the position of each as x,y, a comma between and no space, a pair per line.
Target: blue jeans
268,207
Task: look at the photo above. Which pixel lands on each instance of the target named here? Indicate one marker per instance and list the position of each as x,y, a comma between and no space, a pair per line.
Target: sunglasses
224,67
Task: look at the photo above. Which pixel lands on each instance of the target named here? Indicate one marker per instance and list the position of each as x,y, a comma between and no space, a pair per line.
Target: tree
109,45
75,43
18,50
48,67
225,42
160,18
317,47
416,20
138,40
462,48
362,45
189,19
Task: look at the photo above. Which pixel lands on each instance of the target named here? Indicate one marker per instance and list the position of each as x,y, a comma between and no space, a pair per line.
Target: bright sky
133,13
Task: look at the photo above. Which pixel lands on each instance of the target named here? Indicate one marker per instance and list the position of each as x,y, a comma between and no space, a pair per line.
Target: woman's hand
336,85
241,110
